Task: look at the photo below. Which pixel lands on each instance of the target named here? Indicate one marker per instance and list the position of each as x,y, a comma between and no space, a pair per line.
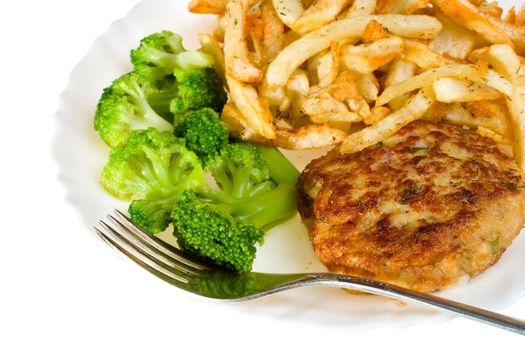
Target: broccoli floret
225,229
209,229
124,107
198,88
152,215
154,167
205,134
160,53
224,225
240,171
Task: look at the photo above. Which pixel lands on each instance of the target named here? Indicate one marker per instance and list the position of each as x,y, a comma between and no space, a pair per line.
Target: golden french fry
360,8
400,71
308,137
373,32
295,54
453,39
342,117
368,86
288,10
516,33
318,14
253,109
273,39
236,55
322,103
377,114
208,6
469,16
404,7
364,59
423,56
328,66
233,120
474,115
210,46
344,88
414,109
450,90
504,60
516,106
425,79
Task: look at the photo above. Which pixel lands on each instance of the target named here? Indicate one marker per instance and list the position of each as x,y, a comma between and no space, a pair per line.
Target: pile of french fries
314,73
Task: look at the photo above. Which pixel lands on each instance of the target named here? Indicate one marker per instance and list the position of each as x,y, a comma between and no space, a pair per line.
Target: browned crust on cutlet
429,205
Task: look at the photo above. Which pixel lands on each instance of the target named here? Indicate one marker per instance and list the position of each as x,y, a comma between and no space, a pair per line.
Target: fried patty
422,209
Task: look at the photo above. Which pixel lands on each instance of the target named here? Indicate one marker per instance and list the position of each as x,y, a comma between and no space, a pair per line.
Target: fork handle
400,293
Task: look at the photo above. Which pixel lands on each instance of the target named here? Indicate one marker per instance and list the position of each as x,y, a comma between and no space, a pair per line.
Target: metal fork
198,277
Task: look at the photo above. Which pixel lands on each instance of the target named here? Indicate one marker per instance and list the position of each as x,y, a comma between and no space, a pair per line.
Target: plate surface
81,155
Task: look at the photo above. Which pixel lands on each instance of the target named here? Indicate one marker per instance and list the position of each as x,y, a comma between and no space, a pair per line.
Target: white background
56,293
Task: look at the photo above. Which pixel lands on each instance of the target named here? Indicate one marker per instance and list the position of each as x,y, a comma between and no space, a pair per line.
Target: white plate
81,155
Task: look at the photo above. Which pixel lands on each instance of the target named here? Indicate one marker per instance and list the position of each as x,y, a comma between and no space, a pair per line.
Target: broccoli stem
268,209
282,170
150,117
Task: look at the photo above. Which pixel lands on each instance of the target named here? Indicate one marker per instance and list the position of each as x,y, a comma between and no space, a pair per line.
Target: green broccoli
224,225
198,88
153,168
160,53
205,134
124,107
240,171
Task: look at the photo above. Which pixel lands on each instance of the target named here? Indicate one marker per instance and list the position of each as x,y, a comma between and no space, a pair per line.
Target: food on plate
162,123
423,100
454,50
423,208
152,168
224,225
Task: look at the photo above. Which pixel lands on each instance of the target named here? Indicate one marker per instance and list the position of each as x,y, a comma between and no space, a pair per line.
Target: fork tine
157,243
142,251
144,262
138,239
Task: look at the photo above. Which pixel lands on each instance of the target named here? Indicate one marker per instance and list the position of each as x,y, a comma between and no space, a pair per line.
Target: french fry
425,79
288,10
322,103
516,106
210,46
456,113
368,86
450,90
308,137
295,54
208,6
318,14
360,8
373,32
296,88
364,59
404,7
273,39
504,60
469,16
422,55
453,39
236,55
400,71
232,118
341,117
252,108
414,109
